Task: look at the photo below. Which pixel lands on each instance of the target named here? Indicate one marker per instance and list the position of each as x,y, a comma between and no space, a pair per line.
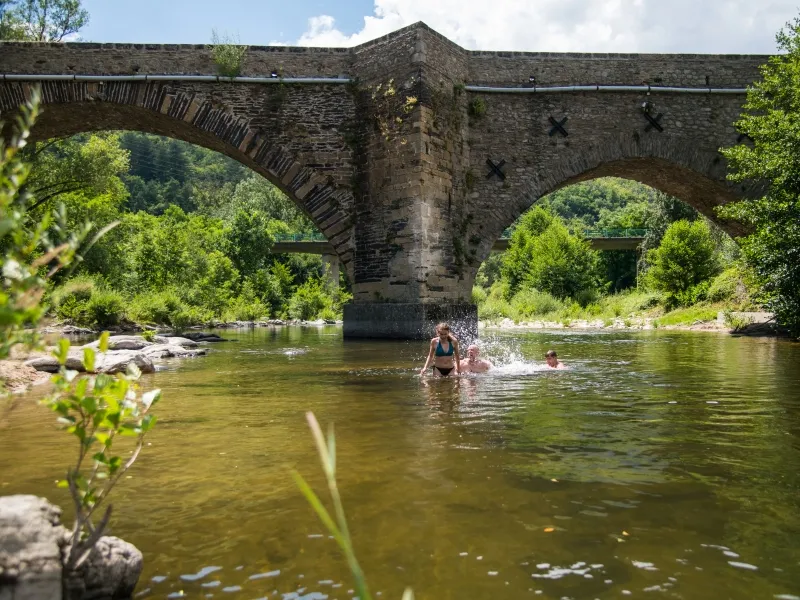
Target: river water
661,464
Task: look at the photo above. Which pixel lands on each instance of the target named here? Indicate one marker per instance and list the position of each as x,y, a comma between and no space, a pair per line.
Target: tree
544,255
772,121
683,265
44,20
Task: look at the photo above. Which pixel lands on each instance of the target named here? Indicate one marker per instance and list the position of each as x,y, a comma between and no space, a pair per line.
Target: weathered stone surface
199,336
172,351
410,321
180,341
30,549
125,342
110,572
113,361
411,216
50,364
117,361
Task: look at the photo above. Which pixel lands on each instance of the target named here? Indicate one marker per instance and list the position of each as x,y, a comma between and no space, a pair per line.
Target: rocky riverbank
26,370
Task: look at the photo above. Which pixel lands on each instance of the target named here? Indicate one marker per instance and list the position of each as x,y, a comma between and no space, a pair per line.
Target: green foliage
69,301
530,302
41,20
105,308
247,307
96,411
476,108
683,264
149,335
728,285
550,259
310,299
771,121
688,316
736,322
227,54
30,251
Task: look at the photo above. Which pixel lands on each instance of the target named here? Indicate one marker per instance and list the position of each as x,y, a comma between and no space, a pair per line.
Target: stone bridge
411,194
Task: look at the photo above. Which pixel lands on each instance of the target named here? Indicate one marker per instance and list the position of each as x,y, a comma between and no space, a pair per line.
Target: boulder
180,341
111,571
49,363
30,548
199,336
117,361
125,342
34,544
172,351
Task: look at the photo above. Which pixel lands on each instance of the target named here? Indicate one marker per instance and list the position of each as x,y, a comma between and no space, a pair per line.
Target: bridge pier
409,321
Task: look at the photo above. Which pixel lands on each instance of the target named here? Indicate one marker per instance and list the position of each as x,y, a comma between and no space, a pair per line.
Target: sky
687,26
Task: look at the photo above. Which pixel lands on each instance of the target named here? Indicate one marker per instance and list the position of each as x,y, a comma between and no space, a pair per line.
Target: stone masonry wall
413,216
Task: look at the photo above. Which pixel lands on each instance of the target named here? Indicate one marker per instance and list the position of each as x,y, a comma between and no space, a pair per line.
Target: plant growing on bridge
391,109
771,122
228,54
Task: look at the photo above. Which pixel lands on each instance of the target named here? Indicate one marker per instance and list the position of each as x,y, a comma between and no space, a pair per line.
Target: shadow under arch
202,123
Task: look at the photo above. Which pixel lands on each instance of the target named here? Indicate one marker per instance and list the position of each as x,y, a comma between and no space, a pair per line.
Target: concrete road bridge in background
411,189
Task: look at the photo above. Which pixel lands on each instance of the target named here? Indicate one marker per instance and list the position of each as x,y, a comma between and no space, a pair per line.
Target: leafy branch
391,109
95,410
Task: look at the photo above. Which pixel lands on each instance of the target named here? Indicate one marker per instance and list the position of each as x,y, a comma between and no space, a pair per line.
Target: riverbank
740,323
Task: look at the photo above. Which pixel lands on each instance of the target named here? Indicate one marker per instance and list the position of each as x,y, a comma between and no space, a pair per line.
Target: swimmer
552,360
443,352
474,364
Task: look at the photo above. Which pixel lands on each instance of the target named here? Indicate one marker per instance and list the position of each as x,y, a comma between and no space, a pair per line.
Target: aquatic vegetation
338,527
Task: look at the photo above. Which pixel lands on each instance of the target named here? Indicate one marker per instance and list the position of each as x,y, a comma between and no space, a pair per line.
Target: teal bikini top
440,351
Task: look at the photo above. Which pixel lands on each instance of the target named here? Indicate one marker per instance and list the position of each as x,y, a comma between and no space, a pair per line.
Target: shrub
69,301
244,309
736,322
479,295
105,308
309,300
227,54
530,302
328,314
157,308
685,260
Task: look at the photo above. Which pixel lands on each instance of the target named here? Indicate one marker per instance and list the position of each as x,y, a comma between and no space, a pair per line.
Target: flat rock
30,548
180,341
125,342
117,361
199,336
49,363
172,351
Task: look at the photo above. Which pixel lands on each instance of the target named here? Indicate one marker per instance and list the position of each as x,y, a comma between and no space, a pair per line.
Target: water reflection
659,462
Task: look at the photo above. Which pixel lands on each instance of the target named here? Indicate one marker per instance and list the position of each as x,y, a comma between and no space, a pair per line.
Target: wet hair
551,354
444,325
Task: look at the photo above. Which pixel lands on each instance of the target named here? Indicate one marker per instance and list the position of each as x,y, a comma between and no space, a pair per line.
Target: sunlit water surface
660,464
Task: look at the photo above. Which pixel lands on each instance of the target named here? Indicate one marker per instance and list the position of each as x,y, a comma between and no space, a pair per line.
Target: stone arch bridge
411,194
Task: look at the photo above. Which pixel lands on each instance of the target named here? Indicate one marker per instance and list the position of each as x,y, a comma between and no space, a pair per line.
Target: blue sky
687,26
256,22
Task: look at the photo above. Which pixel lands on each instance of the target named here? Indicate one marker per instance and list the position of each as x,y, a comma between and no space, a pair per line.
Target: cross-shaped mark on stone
495,169
653,121
558,127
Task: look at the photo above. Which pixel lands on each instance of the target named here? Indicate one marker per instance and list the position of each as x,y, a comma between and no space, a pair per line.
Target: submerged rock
199,336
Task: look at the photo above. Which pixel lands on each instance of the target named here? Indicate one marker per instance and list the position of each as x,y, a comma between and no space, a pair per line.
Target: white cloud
713,26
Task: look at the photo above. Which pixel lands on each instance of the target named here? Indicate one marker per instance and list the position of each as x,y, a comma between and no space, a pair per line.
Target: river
661,464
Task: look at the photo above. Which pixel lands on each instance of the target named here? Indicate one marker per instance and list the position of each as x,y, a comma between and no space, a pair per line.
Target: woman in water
443,352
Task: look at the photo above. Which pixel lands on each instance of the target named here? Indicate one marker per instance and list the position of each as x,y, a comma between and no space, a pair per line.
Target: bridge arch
692,175
69,108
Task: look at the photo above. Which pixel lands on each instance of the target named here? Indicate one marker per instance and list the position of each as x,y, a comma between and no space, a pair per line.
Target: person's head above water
443,331
473,351
551,357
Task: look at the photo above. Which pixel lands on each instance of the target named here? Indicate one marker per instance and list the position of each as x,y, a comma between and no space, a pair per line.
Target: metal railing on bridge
598,233
300,237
